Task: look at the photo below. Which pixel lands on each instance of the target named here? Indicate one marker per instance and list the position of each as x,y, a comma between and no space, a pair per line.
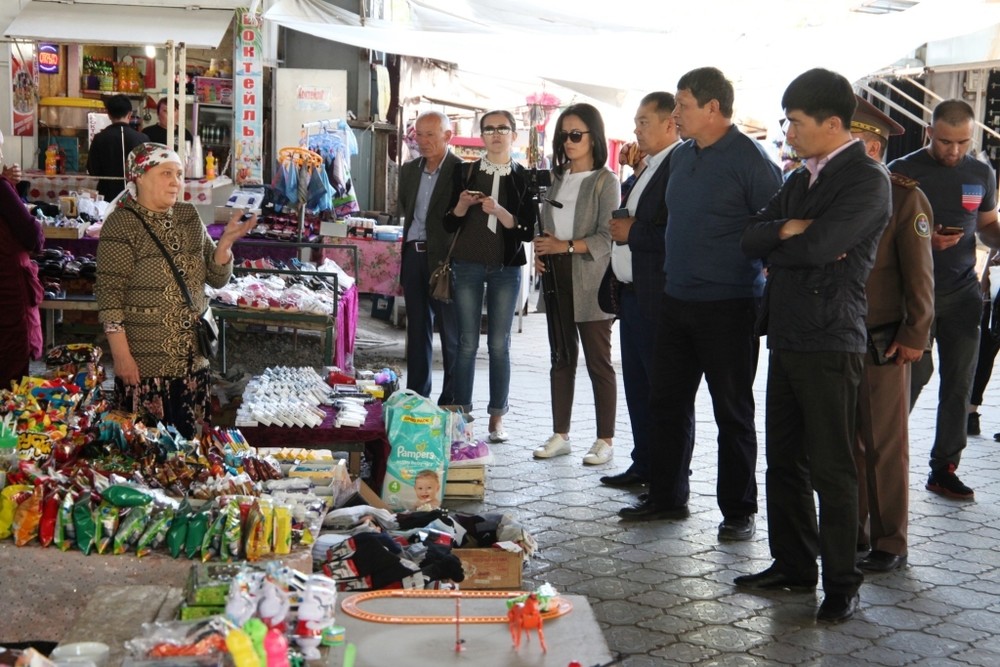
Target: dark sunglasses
576,136
490,130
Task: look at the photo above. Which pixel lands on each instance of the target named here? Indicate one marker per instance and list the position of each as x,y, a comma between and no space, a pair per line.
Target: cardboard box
490,569
335,229
465,483
371,498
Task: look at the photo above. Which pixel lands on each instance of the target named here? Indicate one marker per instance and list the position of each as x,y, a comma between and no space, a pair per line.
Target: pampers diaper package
419,436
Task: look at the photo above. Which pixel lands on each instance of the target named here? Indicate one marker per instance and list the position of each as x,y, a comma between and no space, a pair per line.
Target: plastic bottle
52,160
209,166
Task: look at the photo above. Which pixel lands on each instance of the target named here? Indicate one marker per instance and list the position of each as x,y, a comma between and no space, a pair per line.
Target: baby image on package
418,461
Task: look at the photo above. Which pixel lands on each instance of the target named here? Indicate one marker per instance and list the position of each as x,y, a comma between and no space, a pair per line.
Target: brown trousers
882,456
565,338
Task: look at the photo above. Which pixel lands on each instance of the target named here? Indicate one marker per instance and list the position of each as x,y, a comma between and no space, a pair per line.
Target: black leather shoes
837,607
647,510
624,480
881,561
736,529
774,580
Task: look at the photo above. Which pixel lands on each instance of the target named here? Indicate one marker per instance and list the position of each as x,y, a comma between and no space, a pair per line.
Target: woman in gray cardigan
572,255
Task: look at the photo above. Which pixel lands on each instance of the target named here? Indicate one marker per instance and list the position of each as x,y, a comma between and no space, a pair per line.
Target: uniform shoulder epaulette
904,181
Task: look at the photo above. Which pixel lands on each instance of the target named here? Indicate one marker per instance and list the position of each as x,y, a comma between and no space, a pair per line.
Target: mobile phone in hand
246,216
951,231
619,213
475,193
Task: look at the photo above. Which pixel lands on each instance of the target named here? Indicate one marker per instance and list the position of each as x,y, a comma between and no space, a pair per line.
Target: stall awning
120,24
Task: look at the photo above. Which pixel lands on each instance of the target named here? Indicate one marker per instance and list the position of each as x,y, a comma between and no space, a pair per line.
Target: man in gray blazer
425,193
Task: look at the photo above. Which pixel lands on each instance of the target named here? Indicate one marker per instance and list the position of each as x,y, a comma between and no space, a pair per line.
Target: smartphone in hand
951,231
619,213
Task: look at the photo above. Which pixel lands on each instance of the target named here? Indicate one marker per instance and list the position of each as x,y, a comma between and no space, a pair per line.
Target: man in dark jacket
818,235
425,187
637,262
111,145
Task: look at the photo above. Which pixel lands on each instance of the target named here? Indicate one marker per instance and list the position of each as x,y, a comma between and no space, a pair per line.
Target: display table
369,438
338,332
575,636
379,261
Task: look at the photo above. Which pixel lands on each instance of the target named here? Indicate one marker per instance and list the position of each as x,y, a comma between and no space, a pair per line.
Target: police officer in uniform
900,294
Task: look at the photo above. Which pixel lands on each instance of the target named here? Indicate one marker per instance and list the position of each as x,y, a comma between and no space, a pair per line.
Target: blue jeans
502,285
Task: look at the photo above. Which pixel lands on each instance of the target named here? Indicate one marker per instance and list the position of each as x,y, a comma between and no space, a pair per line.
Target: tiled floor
663,591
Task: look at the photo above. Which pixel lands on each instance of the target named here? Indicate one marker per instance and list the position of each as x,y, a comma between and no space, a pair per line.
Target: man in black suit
637,262
425,186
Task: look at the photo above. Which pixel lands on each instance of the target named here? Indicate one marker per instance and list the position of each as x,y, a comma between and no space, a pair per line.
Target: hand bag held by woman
440,283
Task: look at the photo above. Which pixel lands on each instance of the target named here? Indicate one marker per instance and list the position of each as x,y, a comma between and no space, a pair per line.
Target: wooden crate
53,232
465,483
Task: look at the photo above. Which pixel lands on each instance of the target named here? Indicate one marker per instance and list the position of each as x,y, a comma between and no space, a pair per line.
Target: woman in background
20,290
572,254
494,215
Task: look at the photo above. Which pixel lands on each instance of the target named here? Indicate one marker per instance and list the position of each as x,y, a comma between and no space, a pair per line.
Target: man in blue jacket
818,235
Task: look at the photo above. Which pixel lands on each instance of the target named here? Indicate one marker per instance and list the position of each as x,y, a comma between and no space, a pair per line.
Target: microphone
554,202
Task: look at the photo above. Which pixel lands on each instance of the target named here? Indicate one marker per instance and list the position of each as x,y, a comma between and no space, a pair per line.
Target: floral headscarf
141,159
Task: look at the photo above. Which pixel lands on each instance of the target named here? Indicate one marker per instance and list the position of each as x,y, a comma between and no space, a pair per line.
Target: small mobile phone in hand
951,231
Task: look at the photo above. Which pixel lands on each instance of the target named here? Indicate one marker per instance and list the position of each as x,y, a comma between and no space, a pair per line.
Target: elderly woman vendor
159,372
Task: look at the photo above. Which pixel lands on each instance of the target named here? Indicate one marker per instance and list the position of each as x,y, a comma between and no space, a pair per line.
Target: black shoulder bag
205,325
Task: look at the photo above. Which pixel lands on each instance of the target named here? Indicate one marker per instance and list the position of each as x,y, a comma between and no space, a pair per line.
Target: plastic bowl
95,652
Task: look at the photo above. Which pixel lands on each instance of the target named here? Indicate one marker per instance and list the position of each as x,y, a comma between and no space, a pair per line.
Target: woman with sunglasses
573,253
494,215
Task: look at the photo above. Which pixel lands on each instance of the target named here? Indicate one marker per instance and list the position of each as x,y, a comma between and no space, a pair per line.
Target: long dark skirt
183,402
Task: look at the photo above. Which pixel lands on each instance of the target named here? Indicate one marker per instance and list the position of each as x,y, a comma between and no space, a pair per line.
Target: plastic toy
276,647
525,616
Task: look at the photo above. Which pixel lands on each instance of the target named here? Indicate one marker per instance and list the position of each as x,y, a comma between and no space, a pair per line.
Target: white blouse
569,192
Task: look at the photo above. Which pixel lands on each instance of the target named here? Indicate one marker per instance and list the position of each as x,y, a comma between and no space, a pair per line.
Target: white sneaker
554,446
600,452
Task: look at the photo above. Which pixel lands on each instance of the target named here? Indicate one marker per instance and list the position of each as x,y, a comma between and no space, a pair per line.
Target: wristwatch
570,249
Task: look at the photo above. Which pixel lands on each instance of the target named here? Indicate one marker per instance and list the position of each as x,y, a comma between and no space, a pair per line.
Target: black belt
418,246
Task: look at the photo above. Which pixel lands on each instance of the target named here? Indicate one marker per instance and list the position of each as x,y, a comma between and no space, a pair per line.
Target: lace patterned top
136,287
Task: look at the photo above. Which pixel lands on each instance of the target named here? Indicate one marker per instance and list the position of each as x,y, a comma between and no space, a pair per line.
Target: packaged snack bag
107,525
27,516
50,513
130,529
10,498
84,524
156,530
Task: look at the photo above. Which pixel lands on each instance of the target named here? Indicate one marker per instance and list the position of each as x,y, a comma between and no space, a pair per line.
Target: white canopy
120,24
616,50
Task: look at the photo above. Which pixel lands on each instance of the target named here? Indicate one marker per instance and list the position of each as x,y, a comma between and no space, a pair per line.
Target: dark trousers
421,313
811,413
638,336
714,339
988,348
956,335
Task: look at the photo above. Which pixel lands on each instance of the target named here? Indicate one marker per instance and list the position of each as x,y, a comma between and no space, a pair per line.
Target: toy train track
557,607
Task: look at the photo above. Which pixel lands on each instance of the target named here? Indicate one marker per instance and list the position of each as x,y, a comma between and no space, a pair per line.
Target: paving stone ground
663,591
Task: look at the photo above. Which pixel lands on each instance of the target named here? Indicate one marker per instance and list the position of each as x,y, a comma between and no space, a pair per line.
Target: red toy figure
526,616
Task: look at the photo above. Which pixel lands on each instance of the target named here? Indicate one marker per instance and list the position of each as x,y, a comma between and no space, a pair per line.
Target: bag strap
170,262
